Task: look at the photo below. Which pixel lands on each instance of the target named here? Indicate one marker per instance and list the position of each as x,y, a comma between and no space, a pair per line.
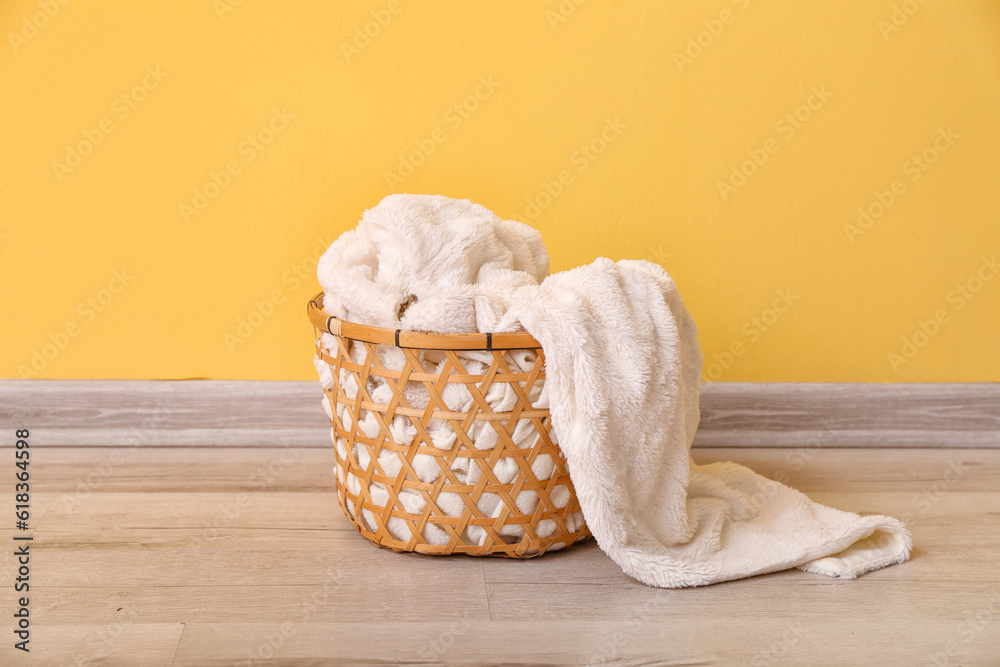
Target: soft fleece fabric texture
622,376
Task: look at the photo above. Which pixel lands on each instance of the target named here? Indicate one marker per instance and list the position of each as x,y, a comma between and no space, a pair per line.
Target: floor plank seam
180,637
486,589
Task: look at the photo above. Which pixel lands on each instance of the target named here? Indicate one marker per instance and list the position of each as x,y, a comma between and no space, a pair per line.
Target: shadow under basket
411,477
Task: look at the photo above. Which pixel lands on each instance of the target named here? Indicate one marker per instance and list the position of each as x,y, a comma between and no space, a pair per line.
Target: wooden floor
191,556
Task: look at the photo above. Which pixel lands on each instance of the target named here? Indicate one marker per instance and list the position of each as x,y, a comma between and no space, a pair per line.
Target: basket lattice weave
371,518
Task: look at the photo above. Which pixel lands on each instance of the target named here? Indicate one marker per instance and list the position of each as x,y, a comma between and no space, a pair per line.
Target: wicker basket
373,498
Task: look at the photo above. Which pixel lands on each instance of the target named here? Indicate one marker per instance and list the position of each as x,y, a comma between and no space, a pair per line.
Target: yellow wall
316,122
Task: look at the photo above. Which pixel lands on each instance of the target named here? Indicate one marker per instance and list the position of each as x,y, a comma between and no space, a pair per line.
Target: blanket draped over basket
622,381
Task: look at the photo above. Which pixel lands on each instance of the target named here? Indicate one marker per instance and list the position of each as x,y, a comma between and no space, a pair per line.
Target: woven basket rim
423,340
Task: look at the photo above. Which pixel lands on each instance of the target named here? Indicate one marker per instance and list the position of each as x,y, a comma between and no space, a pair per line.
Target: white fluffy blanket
622,381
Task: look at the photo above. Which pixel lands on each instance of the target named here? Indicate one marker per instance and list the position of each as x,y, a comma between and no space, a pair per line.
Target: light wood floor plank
79,471
145,557
118,642
757,639
373,597
210,510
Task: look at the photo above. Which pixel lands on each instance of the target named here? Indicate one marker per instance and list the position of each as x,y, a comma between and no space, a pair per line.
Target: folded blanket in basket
622,382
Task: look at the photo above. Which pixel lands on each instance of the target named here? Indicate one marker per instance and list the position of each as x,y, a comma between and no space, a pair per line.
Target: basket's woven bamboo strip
371,518
518,340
